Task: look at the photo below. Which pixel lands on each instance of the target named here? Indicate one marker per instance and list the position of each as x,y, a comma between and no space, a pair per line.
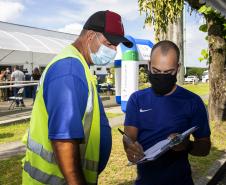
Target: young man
155,113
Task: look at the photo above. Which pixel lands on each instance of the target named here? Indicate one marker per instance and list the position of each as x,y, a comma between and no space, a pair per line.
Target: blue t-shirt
65,96
156,117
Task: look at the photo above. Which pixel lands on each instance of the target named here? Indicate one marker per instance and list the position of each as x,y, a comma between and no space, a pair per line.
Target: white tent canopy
21,45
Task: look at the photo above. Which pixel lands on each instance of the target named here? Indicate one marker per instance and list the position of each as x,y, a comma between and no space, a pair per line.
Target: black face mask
162,83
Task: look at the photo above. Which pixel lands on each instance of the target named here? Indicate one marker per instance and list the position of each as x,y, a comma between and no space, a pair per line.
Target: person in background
109,81
2,91
17,76
8,78
36,77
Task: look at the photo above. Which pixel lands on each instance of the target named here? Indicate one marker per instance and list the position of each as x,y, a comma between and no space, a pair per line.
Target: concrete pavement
23,114
11,149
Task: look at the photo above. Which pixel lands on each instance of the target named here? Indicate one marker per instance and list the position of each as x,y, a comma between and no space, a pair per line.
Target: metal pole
17,85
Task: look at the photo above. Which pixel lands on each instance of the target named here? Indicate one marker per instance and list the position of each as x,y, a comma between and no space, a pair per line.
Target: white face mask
103,56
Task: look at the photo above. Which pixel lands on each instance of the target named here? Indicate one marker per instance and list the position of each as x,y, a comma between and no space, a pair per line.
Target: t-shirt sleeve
64,110
13,75
132,113
200,119
65,96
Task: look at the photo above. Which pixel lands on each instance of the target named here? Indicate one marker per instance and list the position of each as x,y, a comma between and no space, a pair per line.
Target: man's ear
90,35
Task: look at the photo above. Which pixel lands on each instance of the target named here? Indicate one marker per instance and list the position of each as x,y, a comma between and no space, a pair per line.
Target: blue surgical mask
103,56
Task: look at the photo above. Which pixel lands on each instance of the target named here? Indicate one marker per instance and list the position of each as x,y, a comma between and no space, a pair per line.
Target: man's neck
79,45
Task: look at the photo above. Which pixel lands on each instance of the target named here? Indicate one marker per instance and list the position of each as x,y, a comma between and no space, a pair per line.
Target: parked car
205,77
191,79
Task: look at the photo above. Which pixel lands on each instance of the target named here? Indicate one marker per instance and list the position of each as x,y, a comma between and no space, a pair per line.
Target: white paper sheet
163,146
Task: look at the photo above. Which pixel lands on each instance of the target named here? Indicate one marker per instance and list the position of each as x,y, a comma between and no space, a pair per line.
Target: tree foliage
143,75
161,13
204,56
210,13
195,71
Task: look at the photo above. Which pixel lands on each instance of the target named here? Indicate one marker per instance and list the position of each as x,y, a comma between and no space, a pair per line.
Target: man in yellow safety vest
69,139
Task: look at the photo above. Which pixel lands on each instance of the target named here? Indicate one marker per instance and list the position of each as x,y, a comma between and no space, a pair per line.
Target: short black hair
165,46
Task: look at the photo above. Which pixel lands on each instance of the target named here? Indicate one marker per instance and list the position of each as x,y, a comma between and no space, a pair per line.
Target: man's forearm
200,147
68,158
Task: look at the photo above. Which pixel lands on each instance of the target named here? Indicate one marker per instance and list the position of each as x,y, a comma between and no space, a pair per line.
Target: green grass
11,171
10,133
15,132
116,172
113,115
201,164
201,88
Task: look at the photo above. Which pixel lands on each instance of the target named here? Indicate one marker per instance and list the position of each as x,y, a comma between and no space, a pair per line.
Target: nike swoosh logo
142,110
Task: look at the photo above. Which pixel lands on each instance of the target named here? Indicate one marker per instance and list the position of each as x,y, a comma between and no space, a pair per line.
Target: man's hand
134,151
181,146
198,147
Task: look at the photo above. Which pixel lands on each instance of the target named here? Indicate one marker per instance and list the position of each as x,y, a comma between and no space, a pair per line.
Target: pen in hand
134,148
127,139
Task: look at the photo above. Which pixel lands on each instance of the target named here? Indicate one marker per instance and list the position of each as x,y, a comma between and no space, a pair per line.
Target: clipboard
163,146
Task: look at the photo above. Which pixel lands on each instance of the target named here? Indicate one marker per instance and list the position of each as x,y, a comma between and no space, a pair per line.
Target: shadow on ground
6,135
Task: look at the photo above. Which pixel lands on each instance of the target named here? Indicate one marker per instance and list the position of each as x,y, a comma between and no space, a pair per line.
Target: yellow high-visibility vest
39,164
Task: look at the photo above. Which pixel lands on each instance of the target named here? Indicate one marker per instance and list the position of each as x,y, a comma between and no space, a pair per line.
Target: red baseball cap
110,25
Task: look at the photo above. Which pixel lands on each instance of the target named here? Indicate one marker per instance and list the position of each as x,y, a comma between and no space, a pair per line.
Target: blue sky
70,15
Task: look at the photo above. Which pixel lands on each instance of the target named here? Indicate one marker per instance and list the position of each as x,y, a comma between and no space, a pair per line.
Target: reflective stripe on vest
39,150
88,116
42,176
49,156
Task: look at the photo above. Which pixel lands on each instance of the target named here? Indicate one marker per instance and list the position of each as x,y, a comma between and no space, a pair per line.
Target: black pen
127,139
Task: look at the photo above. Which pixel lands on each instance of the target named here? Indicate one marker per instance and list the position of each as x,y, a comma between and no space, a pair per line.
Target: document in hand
163,146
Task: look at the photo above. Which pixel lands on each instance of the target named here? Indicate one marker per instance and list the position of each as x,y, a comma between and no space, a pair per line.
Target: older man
69,140
163,110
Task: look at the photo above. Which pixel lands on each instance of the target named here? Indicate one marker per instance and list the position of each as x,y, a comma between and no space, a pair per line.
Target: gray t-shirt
18,76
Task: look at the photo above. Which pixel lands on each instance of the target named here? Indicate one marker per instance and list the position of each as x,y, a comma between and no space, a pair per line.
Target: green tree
143,78
195,71
161,13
